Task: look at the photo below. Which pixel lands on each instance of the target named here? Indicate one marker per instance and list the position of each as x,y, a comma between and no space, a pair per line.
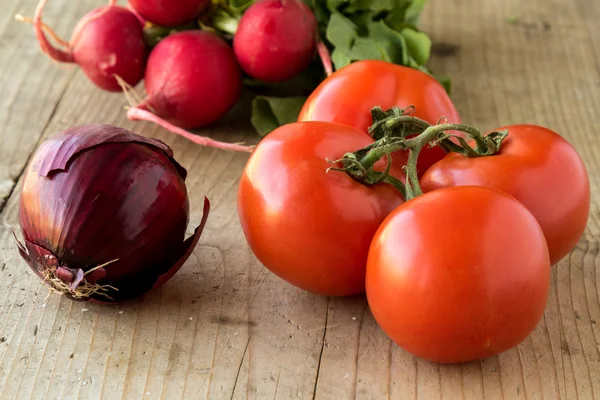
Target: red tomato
308,226
458,274
347,96
537,167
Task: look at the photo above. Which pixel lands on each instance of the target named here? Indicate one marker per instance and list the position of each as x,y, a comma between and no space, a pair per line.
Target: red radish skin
276,39
107,41
192,79
169,12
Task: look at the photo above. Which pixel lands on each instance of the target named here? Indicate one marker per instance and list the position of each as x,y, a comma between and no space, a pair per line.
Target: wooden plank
31,88
590,10
224,327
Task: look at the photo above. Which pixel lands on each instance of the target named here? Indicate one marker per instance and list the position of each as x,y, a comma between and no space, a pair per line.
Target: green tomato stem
395,122
412,178
414,146
360,164
396,183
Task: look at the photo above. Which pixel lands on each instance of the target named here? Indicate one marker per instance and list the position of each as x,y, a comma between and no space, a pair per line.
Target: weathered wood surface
226,328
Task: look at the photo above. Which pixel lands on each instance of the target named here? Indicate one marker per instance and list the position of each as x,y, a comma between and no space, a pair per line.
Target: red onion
103,212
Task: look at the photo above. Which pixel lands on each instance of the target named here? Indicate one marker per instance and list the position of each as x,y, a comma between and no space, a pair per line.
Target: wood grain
226,328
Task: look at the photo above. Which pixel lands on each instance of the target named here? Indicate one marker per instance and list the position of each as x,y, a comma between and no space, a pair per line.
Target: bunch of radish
192,77
195,56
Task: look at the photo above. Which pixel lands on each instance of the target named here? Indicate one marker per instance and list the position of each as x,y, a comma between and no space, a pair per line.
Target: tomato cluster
456,264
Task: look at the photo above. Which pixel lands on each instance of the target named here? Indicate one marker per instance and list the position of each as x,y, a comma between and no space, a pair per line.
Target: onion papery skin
98,194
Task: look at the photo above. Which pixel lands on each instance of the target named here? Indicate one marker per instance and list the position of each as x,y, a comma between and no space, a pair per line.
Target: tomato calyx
392,129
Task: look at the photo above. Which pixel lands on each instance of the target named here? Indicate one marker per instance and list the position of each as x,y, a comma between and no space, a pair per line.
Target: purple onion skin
97,193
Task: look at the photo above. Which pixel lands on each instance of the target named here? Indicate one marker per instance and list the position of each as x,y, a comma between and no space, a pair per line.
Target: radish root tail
325,57
46,46
49,31
137,114
131,95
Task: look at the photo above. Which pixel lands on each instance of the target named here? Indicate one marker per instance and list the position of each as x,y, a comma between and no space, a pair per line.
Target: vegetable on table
108,42
192,80
540,169
103,212
310,227
458,274
275,39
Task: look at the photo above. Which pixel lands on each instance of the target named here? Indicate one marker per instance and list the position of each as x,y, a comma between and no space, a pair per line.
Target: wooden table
226,328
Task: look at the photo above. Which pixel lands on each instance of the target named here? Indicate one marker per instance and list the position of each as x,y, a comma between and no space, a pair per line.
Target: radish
107,41
276,39
169,12
192,79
